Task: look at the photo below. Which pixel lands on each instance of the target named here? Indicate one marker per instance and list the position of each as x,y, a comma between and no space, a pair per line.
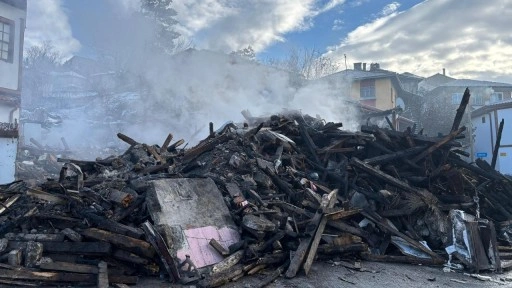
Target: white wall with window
496,97
456,98
12,22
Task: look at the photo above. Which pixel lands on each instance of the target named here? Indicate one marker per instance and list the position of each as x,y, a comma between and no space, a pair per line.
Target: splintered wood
299,189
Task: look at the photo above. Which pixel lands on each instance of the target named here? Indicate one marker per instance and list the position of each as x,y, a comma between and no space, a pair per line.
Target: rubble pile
296,189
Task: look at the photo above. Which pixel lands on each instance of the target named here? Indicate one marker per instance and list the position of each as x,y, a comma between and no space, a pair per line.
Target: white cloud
390,9
46,21
230,25
470,38
356,3
337,24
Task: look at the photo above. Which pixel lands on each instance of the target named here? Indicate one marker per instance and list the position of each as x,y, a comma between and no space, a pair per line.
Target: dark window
6,40
483,119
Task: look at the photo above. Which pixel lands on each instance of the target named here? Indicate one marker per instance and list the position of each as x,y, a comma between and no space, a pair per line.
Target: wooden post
497,145
166,143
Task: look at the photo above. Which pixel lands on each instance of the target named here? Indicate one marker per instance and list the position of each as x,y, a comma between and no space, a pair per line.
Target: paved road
390,275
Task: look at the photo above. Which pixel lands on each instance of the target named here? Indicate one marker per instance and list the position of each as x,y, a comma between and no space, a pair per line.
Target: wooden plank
69,267
9,202
102,275
229,262
218,247
128,256
114,226
62,276
160,246
300,253
167,141
137,246
35,237
328,201
393,156
85,248
56,199
127,139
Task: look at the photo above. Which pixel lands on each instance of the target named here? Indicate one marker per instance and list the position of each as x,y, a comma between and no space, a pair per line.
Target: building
432,82
379,89
485,122
441,103
12,27
482,92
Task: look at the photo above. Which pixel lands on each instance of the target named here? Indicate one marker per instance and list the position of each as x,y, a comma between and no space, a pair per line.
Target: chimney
357,66
444,72
374,66
364,66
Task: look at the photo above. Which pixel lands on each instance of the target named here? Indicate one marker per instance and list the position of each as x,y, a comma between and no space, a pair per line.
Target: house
482,92
442,102
432,82
12,27
380,89
485,122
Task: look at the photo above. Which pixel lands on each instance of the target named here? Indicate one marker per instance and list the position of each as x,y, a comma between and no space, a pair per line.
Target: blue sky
470,38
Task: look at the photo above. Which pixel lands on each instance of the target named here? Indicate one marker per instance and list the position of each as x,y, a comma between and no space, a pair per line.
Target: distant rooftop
474,83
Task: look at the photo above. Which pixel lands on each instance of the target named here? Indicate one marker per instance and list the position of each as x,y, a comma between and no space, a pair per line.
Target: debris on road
275,195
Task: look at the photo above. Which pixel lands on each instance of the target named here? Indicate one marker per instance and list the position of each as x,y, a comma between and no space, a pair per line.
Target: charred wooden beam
81,248
129,243
158,244
437,145
460,111
328,201
166,143
62,277
127,139
114,226
497,145
393,156
69,267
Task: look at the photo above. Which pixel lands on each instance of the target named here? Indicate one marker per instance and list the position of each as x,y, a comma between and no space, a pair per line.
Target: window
483,119
478,100
6,40
367,89
456,98
496,97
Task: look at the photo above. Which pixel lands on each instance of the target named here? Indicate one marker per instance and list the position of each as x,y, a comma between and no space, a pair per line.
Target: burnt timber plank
129,243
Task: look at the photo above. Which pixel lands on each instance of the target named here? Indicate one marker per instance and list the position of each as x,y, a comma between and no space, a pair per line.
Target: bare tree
308,63
39,62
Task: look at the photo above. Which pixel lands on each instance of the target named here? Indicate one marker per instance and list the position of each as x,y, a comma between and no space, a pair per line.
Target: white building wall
5,112
9,71
485,138
8,147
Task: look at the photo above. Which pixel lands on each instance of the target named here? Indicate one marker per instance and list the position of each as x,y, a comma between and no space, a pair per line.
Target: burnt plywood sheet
194,211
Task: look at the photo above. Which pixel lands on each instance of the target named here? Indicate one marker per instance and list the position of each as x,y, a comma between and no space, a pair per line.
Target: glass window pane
6,37
7,28
5,46
4,55
1,26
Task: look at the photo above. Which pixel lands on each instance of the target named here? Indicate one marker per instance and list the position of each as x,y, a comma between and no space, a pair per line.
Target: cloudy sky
470,38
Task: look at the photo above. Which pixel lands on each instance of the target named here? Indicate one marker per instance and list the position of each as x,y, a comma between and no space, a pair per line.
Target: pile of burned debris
270,199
